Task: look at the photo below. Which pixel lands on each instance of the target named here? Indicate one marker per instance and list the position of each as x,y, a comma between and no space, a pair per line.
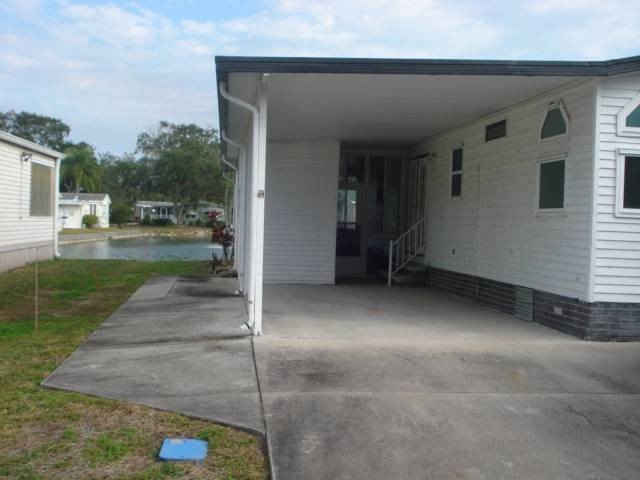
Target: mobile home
29,187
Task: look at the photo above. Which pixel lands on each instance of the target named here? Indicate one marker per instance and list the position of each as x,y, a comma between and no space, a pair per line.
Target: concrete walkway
366,382
174,345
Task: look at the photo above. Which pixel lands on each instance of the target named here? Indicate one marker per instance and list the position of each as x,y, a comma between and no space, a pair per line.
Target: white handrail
399,254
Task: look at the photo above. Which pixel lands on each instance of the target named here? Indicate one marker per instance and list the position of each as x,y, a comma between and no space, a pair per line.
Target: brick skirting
600,321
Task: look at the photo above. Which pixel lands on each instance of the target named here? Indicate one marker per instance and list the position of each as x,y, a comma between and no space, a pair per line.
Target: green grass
47,434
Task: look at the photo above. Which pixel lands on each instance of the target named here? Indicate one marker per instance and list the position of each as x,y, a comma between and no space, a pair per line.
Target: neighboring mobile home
154,210
72,207
28,189
515,183
201,213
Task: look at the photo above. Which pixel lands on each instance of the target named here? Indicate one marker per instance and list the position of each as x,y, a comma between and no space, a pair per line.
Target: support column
259,197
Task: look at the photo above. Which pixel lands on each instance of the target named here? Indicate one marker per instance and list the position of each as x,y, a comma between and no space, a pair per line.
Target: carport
484,172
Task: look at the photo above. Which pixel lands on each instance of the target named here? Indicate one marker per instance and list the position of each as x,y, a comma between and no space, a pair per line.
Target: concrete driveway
367,382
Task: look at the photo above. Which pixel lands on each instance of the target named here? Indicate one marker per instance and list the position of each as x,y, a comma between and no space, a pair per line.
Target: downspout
255,139
56,189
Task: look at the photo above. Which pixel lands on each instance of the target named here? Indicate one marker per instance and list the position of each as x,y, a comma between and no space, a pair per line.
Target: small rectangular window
456,172
92,209
551,184
41,204
495,130
631,195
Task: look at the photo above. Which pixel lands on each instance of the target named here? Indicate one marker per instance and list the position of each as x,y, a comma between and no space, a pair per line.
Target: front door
350,234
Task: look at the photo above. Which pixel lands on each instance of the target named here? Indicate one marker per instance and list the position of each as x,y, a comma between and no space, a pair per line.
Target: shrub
89,220
198,223
120,213
161,222
146,220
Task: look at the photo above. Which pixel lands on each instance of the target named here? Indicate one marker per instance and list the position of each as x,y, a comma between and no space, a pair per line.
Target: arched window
556,122
629,118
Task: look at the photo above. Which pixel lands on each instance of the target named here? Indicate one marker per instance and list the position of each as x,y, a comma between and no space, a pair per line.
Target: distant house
72,207
28,187
202,213
154,210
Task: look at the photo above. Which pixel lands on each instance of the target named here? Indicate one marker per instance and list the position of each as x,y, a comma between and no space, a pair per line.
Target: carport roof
228,64
394,101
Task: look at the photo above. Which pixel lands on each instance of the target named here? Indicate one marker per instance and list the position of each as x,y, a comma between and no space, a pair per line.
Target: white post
259,193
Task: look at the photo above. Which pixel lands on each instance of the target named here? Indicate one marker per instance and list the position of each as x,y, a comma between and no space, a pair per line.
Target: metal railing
405,248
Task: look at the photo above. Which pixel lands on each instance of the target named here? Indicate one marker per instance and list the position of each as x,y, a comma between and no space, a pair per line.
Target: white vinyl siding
300,212
617,243
18,228
493,230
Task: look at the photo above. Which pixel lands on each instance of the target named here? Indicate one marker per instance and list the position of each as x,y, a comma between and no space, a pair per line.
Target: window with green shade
554,123
551,186
633,119
41,204
631,195
456,172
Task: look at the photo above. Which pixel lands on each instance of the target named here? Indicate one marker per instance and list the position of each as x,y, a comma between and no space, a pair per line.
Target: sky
113,69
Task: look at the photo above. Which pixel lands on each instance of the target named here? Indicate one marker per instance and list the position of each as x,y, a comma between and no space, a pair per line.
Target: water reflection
143,248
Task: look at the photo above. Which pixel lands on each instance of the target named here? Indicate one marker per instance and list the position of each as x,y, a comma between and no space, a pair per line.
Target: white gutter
254,313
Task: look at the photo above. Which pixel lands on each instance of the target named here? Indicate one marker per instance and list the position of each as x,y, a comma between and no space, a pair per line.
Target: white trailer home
515,183
28,190
72,207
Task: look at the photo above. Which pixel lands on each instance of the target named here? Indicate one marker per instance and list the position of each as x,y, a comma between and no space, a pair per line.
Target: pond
149,248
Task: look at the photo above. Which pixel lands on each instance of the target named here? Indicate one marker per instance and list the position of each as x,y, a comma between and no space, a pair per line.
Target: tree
47,131
186,164
125,178
80,170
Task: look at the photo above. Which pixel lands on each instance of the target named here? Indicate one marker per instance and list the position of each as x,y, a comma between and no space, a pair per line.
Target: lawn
48,434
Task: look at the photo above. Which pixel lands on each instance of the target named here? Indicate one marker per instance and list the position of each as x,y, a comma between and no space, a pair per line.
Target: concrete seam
173,285
264,418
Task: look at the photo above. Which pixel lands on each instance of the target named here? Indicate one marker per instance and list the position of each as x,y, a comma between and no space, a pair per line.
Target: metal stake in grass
36,292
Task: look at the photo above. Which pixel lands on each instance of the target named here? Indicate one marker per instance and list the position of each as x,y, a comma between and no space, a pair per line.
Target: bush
120,213
162,222
146,220
198,223
89,220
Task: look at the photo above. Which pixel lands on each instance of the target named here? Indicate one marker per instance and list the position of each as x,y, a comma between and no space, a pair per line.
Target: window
555,122
351,168
92,209
456,172
495,130
551,181
629,118
633,119
628,184
41,204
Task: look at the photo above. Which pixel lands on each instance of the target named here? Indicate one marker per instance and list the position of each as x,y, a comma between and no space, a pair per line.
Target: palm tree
80,170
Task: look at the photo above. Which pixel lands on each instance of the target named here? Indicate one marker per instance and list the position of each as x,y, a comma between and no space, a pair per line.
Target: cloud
113,69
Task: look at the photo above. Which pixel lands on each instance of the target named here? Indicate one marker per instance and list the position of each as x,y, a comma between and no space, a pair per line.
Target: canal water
149,248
